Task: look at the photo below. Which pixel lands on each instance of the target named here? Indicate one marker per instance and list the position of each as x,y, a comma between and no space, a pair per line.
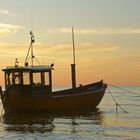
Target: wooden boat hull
57,101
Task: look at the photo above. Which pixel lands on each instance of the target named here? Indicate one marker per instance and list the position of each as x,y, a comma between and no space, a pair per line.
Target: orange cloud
61,48
43,49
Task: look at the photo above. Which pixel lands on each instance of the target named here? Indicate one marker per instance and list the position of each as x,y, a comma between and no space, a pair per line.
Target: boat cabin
34,79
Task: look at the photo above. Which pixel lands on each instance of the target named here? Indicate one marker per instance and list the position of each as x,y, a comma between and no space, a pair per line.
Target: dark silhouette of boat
29,89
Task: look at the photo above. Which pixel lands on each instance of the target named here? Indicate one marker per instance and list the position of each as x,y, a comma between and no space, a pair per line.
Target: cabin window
46,78
8,78
37,78
13,78
16,78
26,78
41,78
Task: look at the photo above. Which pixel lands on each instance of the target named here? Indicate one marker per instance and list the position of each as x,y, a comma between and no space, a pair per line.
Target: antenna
30,54
32,25
32,40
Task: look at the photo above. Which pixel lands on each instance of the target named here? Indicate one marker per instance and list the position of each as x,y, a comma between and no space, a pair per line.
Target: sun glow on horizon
107,41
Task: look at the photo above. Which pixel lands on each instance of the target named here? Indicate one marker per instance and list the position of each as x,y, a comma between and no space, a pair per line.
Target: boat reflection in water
48,123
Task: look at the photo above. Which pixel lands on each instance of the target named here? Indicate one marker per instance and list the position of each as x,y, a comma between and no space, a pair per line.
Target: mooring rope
1,113
3,100
117,104
124,89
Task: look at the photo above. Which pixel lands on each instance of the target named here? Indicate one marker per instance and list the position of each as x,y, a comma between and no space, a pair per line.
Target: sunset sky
107,38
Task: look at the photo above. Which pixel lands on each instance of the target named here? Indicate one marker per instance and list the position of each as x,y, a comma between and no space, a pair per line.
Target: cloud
14,50
63,48
49,50
7,29
5,12
98,47
98,31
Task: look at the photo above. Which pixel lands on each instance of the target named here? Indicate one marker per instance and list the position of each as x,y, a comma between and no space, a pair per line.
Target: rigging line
124,89
28,58
28,53
37,60
117,104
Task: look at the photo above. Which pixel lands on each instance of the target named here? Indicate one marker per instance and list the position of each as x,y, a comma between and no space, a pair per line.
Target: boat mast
73,72
73,45
32,52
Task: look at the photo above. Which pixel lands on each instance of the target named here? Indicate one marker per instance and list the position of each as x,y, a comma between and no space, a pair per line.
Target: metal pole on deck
73,41
73,72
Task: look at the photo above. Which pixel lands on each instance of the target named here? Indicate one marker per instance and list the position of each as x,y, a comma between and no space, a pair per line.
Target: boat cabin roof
44,68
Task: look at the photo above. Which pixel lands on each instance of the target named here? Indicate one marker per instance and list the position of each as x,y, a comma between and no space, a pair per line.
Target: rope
1,113
28,57
27,54
37,60
117,104
124,89
2,104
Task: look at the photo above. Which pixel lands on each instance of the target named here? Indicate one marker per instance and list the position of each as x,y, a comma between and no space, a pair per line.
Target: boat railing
39,66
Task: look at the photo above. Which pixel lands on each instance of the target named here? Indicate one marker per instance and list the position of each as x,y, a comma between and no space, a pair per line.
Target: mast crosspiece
30,50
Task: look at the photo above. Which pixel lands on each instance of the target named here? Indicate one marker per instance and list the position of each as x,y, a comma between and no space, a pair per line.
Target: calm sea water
103,124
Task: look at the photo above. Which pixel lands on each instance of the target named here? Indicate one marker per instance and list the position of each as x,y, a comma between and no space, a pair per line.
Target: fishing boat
28,88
